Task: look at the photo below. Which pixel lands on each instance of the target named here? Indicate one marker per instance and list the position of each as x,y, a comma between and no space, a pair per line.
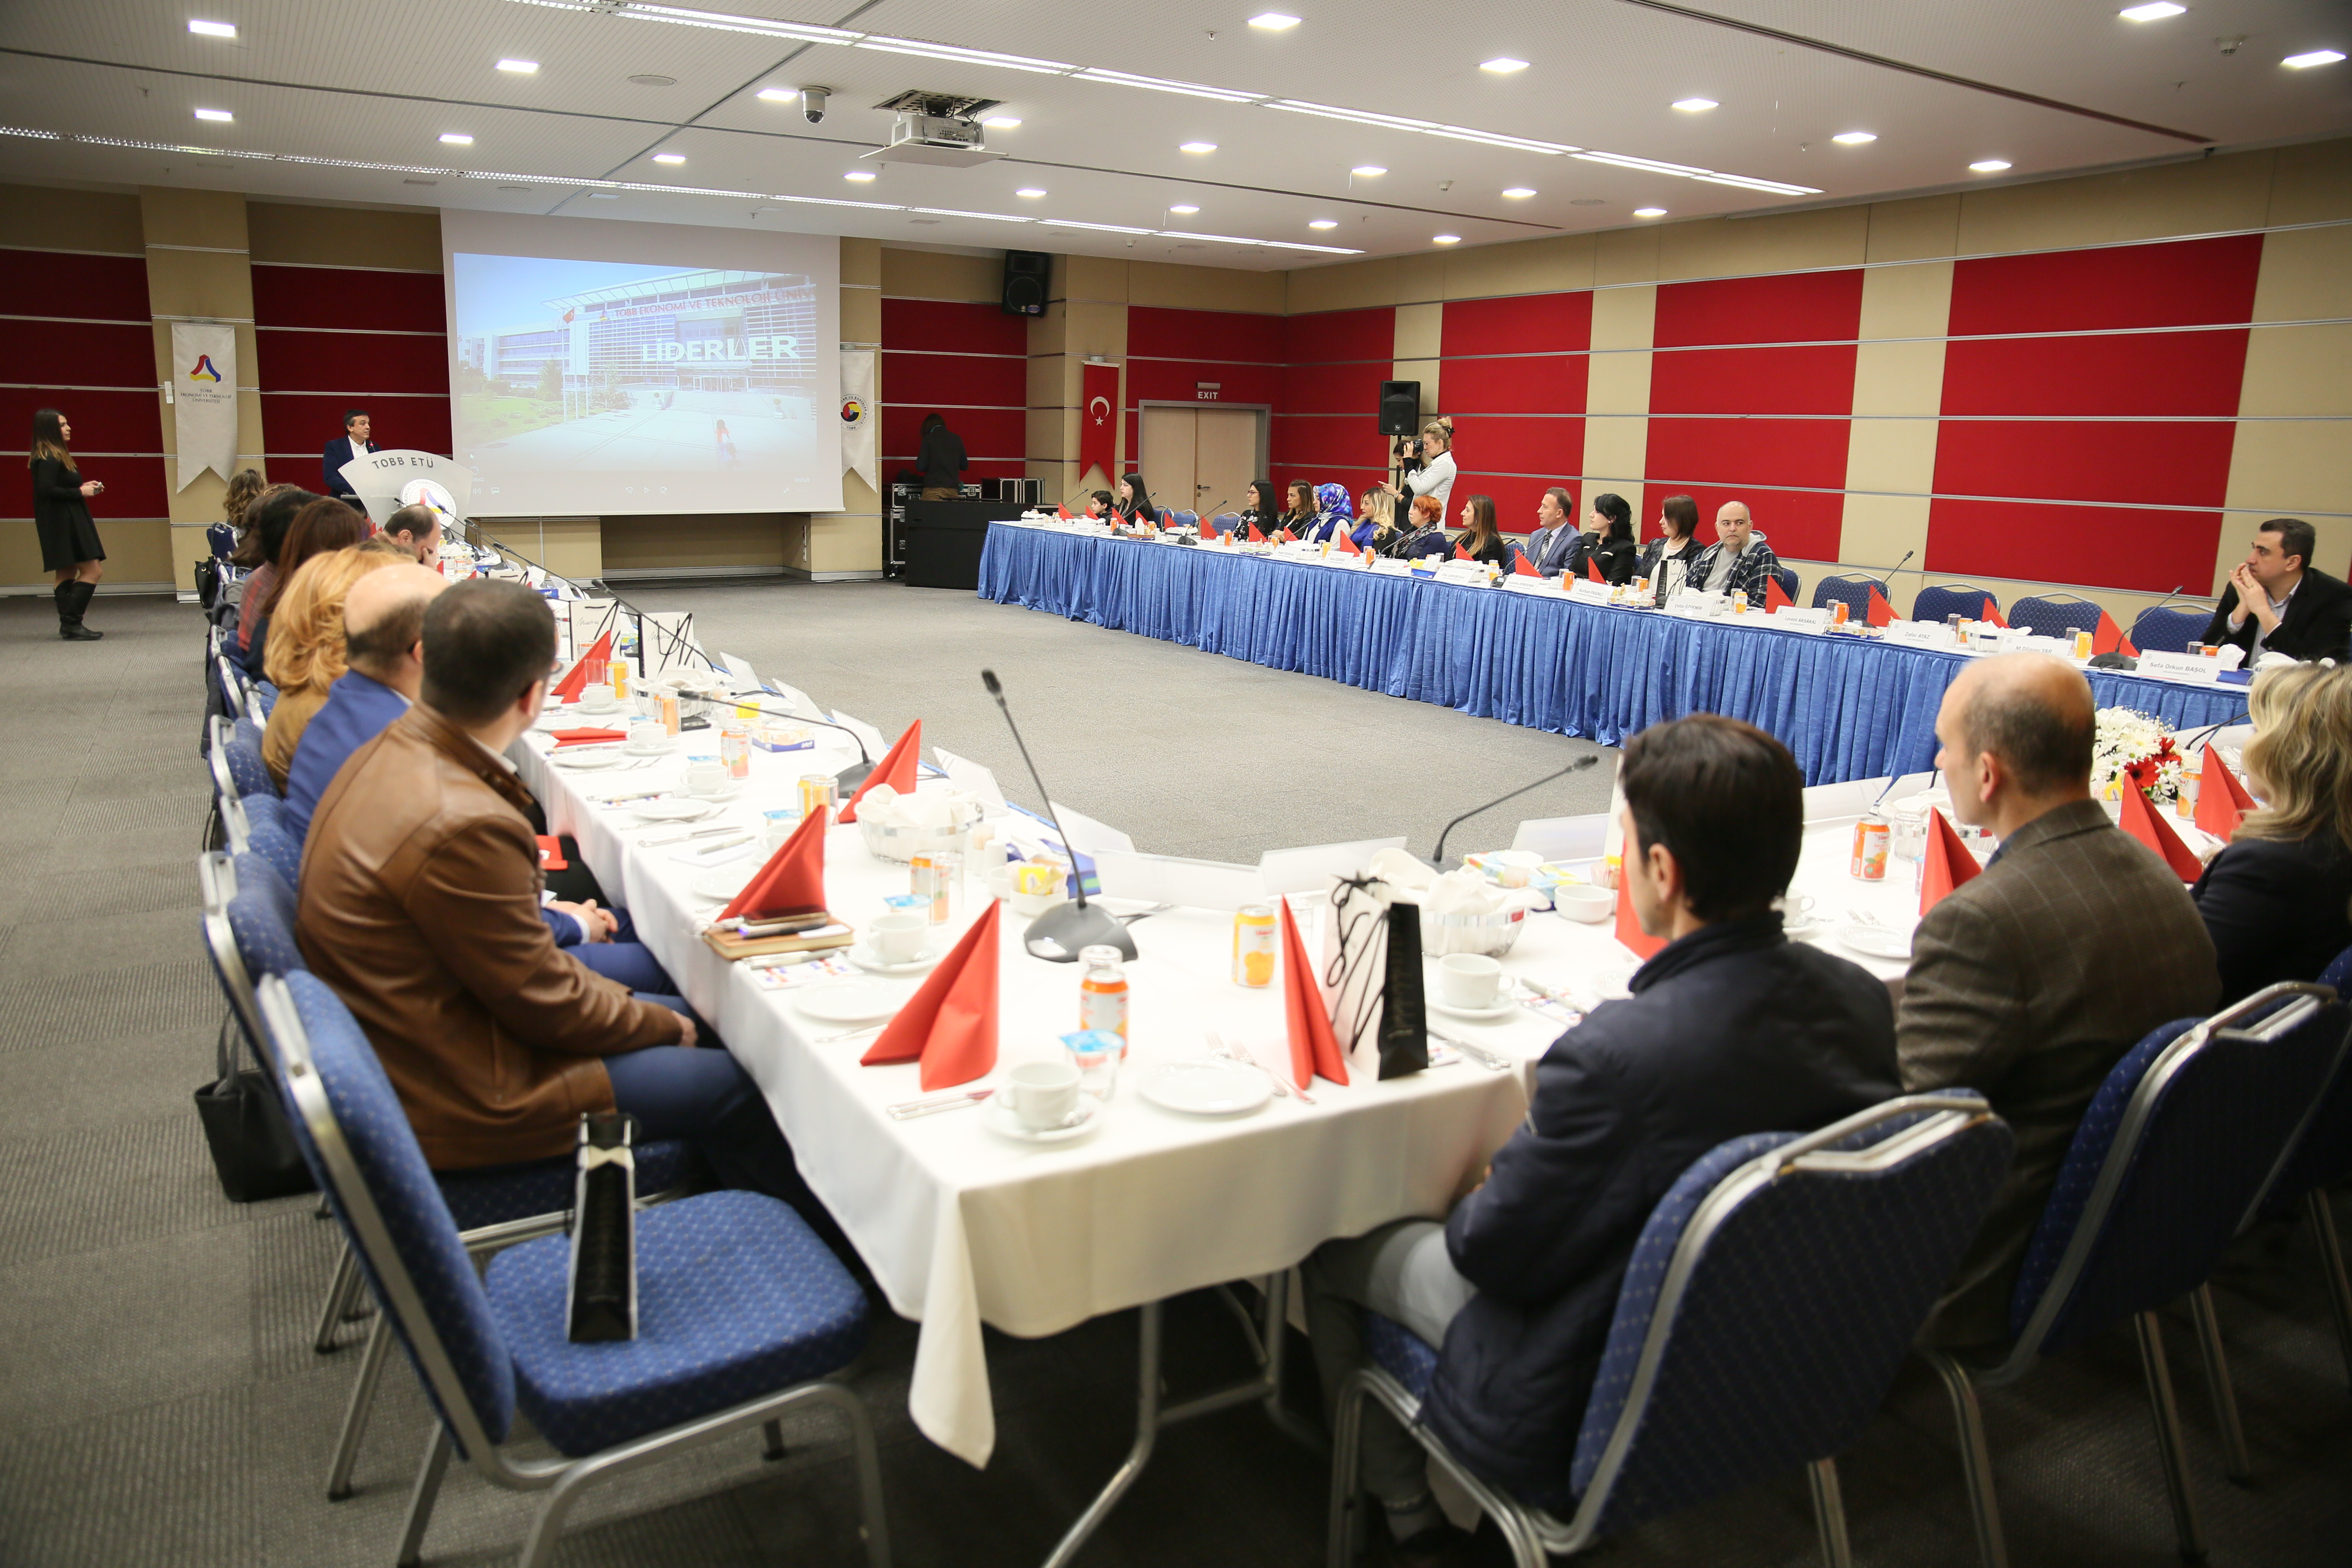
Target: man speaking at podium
352,443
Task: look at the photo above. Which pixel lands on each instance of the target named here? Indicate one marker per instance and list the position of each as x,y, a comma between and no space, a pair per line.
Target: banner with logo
1099,424
857,414
203,399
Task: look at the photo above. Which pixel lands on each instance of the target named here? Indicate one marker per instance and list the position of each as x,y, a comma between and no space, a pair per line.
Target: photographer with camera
1432,475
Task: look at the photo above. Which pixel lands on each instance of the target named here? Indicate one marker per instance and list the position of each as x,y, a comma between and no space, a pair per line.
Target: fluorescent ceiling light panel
25,131
1002,122
1104,227
669,157
1196,147
2315,57
1324,223
456,139
963,56
1990,165
722,21
779,94
1519,193
1648,165
860,175
1359,116
1649,212
1502,64
1493,139
603,196
1368,170
2157,12
219,116
1270,244
959,212
1854,137
1158,84
1187,209
1696,105
519,68
1274,21
1032,192
1744,183
213,29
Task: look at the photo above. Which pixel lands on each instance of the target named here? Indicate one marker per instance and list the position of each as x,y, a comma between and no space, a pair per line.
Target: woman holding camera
1435,476
69,545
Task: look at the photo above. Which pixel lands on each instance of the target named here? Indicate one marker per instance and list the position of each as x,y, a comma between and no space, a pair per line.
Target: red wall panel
295,423
54,283
2161,464
287,296
954,380
1808,452
102,421
1800,525
1520,324
1162,381
2116,547
992,433
1793,307
134,487
1241,337
2180,284
2137,373
1329,336
1530,384
1314,441
1528,445
1815,379
952,324
1515,497
1352,389
81,354
300,361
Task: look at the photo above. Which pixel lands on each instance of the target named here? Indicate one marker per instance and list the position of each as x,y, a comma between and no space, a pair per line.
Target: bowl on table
1586,904
1493,935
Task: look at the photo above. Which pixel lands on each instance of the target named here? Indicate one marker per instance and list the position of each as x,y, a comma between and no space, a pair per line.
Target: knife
907,1110
682,837
1490,1060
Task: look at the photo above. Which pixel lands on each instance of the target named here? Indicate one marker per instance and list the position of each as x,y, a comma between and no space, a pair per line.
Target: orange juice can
1839,611
1871,836
1254,940
2082,645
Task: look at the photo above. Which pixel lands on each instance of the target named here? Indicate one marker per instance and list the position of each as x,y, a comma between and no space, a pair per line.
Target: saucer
1207,1089
1502,1009
720,887
669,809
661,748
583,758
866,958
850,1001
1001,1120
729,793
1878,941
581,707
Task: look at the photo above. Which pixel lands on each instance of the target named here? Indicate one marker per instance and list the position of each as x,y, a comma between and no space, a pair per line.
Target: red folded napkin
791,882
949,1026
896,769
1462,555
1062,512
1285,536
1946,863
1313,1049
1775,596
1593,571
2109,638
2221,801
1347,543
587,737
1629,925
1254,536
575,679
1992,613
1881,612
2140,820
550,853
1523,567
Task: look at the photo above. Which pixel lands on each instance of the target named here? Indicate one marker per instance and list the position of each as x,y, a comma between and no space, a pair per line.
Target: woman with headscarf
1334,512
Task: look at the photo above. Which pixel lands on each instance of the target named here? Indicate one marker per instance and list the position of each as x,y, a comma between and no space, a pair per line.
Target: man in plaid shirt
1741,561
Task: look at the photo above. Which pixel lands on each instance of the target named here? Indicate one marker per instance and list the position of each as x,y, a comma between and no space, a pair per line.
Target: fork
1217,1048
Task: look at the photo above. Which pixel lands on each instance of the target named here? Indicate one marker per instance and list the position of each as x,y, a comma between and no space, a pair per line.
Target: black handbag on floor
254,1152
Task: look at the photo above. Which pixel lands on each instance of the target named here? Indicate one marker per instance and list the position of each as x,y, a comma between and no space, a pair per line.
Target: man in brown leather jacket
420,908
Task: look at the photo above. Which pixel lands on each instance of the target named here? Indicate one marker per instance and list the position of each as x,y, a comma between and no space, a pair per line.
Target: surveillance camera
813,102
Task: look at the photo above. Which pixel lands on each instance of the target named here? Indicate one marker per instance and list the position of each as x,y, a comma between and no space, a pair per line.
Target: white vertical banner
203,400
858,416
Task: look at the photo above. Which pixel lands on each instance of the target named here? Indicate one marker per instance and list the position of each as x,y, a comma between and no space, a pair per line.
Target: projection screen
603,368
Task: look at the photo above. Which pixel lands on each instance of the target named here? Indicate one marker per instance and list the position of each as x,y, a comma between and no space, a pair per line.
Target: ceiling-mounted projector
936,128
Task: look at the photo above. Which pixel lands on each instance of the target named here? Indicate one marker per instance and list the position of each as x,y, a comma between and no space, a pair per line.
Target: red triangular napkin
1523,567
1881,612
1285,536
1628,926
587,737
2221,801
1992,613
949,1026
1313,1047
1775,596
1254,536
896,769
1592,570
1347,543
1947,862
2109,638
2140,820
791,882
575,679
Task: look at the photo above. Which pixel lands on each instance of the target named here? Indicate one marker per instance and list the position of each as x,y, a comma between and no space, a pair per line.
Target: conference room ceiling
343,101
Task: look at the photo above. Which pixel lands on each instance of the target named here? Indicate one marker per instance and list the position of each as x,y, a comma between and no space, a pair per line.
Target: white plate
720,887
584,759
581,708
661,748
1001,1119
1207,1089
1502,1009
1878,941
729,793
862,956
850,1001
672,810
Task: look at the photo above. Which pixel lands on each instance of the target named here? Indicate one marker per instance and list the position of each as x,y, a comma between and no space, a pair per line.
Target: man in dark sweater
2278,602
1731,1029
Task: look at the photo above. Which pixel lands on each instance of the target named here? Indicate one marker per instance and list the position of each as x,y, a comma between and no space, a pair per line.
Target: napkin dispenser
600,1302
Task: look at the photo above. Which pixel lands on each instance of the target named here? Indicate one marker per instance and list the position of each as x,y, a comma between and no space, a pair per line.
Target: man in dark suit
1556,532
2032,980
352,443
1731,1029
2278,602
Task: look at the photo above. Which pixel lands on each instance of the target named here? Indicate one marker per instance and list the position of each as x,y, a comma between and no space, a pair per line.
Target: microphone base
1059,934
850,777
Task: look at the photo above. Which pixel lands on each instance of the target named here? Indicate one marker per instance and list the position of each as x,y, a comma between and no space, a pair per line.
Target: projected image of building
704,331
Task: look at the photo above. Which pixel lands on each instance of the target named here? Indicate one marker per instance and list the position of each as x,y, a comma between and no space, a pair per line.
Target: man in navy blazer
1731,1029
352,443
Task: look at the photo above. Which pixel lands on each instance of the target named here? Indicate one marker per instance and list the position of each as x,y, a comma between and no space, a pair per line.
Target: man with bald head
2031,981
1738,560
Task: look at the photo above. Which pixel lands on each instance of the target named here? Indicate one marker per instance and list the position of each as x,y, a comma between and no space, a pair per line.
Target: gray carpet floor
160,1402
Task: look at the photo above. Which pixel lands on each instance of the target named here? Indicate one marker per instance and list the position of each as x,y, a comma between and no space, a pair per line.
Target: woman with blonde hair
305,656
2277,900
1379,528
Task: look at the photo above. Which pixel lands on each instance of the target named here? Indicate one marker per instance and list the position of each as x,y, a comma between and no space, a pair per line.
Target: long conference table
1848,707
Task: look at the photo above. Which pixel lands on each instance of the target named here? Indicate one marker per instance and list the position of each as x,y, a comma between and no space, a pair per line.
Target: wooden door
1225,443
1167,465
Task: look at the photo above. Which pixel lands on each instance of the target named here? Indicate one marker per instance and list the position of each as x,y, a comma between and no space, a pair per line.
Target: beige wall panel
2299,372
1616,451
1618,384
1043,434
861,260
408,241
1897,455
1624,318
211,218
941,275
1098,278
861,317
2199,197
751,539
1419,331
844,543
1048,373
1096,329
1343,286
2291,468
1909,301
1724,248
38,215
137,555
1877,529
1625,256
1183,288
1548,266
2306,275
1420,279
1900,378
1911,230
2312,182
572,546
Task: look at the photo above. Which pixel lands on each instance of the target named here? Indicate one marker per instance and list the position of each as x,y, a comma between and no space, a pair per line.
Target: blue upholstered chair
2322,1158
1224,521
2168,631
231,687
244,764
265,701
270,838
742,1313
1951,599
1853,592
2172,1158
1770,1299
1180,519
2055,615
1789,582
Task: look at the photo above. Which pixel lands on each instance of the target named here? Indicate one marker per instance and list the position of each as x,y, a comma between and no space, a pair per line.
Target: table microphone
1578,766
1058,935
1884,585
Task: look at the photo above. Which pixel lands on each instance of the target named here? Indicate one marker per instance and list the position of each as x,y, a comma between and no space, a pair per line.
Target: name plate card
1789,618
1388,567
1920,634
1543,586
1697,605
1469,574
2190,667
1588,591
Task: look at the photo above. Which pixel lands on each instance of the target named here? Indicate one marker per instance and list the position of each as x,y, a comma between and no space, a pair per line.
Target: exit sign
1206,391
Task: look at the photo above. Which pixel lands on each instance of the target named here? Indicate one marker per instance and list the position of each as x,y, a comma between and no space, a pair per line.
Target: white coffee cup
1468,980
898,938
705,776
1042,1094
598,700
1797,908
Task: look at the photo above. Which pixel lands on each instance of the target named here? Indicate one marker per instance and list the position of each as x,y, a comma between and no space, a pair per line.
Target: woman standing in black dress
69,545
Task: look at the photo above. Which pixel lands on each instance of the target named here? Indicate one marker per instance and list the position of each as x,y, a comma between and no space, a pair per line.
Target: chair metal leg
1828,1513
1976,1459
874,1519
773,1448
2234,1462
547,1524
339,1301
355,1415
2168,1434
2331,1263
1347,1489
437,1448
1147,1433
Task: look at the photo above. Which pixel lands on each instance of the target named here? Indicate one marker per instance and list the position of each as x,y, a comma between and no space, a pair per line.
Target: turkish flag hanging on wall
1098,423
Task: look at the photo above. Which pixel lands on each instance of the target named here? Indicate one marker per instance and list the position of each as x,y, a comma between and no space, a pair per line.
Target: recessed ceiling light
669,157
860,175
456,139
222,115
1586,202
2315,57
1445,238
1696,105
213,29
1274,21
1854,137
519,68
1519,193
1649,212
1323,223
603,196
1187,209
779,94
653,78
1368,170
1197,147
1503,65
1032,192
2154,11
1002,122
1990,165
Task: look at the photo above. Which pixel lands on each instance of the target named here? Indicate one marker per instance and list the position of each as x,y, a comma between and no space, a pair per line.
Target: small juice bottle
1102,993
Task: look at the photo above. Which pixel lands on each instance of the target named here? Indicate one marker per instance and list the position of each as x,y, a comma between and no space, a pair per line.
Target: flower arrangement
2134,746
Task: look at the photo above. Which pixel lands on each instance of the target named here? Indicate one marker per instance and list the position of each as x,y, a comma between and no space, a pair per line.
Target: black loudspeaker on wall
1400,406
1025,273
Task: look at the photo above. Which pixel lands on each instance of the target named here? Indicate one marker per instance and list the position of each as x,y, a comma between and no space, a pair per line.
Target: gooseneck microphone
1578,766
1884,585
1063,931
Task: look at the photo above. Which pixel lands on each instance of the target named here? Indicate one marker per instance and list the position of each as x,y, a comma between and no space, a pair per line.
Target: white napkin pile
936,811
